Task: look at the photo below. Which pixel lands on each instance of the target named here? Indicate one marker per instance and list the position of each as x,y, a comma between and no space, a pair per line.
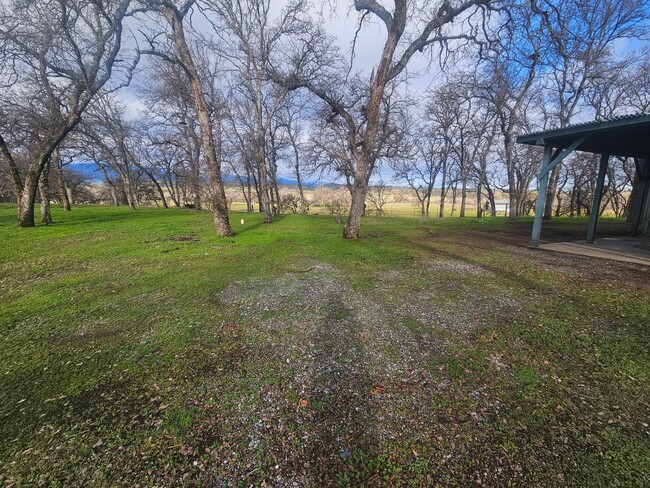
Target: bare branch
377,9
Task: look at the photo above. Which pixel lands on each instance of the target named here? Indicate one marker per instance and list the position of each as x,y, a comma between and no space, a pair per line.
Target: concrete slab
629,249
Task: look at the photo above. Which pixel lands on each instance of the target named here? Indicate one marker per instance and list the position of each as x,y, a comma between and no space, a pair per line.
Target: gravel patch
357,361
457,267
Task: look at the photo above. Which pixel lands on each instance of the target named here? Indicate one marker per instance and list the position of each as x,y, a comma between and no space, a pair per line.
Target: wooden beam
598,197
542,186
546,168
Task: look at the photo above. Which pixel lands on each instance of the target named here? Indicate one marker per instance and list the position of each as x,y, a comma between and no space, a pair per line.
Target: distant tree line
234,91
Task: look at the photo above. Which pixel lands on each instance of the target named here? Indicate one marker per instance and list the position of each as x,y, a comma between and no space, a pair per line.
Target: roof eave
546,137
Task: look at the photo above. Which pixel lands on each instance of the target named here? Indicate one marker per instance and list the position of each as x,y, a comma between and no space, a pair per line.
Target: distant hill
90,170
292,182
87,169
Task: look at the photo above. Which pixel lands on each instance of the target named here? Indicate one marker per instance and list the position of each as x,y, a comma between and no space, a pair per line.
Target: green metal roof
626,136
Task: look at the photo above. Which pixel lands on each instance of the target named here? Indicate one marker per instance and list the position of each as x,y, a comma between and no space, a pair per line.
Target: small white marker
241,221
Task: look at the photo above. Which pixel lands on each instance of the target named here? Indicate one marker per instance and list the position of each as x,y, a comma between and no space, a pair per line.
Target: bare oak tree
61,53
173,128
411,27
252,40
419,168
180,53
290,117
506,81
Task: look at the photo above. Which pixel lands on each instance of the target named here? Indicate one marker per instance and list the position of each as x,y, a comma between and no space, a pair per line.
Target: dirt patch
185,238
514,239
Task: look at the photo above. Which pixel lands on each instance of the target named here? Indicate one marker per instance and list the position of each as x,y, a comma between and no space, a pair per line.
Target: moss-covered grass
138,347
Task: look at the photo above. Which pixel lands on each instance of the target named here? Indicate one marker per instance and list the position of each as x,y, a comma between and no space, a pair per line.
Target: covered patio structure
627,136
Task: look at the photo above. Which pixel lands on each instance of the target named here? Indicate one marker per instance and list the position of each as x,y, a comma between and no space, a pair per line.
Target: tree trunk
180,195
169,184
27,194
134,192
479,202
197,196
579,203
428,204
219,203
272,199
353,225
116,200
58,171
159,189
492,200
249,188
512,182
265,204
367,155
277,196
454,192
44,190
463,197
301,194
243,190
551,192
26,202
275,193
443,193
125,176
128,192
196,175
258,192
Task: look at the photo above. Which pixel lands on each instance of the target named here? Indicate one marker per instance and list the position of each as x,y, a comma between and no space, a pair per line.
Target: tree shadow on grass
249,227
343,433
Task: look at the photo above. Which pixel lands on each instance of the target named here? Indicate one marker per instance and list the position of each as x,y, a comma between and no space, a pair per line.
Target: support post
598,197
542,186
642,190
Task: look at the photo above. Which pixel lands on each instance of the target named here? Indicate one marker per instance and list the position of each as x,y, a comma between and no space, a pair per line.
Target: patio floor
629,249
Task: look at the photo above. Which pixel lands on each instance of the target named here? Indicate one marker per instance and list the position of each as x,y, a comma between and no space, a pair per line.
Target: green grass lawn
138,347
